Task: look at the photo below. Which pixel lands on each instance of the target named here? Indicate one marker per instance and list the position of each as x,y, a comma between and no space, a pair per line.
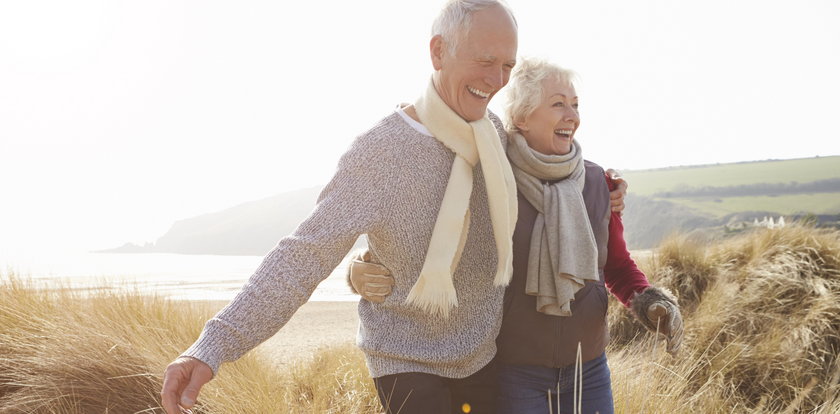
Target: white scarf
563,252
472,142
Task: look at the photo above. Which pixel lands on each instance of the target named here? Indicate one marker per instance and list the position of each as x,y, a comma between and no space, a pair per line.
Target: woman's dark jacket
528,337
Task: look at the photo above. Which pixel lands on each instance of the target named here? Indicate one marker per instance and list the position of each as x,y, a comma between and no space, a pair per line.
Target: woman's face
549,129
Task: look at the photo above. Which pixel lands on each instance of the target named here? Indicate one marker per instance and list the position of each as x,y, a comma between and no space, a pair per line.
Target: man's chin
475,114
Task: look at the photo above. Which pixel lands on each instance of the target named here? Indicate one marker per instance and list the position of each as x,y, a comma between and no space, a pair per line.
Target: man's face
480,66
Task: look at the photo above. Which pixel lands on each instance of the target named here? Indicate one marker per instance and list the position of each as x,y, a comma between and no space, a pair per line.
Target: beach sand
314,326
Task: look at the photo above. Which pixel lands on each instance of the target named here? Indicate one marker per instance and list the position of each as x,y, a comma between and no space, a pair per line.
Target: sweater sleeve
621,275
352,204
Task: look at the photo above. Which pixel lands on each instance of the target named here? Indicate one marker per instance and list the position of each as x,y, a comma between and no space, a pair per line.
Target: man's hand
182,382
619,191
371,280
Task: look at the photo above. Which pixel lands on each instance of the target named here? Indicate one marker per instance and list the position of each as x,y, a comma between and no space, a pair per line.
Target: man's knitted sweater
389,185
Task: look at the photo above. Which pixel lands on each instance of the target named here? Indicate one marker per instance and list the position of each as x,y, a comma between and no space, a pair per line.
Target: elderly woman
568,251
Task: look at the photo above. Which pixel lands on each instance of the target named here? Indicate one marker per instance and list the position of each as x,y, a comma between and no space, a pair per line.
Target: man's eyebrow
492,58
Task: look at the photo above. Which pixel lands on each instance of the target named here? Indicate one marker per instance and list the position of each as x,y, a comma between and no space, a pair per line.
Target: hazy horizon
118,118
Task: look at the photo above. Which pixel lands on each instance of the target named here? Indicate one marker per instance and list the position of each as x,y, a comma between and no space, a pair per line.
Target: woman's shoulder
593,168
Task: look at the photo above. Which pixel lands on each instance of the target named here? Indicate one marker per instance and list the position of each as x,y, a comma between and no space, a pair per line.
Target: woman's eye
558,104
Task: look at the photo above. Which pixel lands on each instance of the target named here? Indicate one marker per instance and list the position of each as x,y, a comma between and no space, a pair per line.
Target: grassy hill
785,186
803,170
792,204
711,200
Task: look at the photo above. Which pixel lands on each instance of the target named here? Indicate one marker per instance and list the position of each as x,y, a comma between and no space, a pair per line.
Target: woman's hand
618,190
657,309
370,280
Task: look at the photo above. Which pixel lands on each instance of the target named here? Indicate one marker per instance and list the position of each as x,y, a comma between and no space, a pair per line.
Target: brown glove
369,279
658,307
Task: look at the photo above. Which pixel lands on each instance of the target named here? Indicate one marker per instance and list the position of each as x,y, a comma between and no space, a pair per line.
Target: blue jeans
523,389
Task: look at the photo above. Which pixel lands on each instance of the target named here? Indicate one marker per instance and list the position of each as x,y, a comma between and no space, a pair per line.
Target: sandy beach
314,326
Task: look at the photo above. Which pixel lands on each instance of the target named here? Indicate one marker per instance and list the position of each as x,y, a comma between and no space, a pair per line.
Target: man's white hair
455,19
525,89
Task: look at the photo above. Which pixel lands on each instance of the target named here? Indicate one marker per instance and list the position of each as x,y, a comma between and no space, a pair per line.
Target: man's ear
437,47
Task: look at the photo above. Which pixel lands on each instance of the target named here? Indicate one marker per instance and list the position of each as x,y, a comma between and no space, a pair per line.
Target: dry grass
65,352
762,315
762,318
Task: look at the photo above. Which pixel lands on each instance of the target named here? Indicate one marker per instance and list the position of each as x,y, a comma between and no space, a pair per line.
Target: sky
118,118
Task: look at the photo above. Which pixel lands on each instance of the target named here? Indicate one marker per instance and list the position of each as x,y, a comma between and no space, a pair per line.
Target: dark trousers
419,393
524,389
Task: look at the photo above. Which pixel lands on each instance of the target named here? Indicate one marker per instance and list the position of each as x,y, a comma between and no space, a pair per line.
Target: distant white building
769,222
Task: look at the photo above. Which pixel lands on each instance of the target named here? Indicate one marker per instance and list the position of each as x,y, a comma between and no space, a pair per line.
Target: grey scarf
563,252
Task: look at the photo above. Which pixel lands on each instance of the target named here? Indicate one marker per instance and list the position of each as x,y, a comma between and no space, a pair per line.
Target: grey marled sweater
389,185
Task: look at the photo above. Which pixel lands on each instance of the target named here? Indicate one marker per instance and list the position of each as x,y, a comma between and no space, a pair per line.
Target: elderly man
431,188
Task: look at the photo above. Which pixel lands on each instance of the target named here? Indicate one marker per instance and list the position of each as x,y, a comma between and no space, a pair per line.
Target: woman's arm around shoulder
623,278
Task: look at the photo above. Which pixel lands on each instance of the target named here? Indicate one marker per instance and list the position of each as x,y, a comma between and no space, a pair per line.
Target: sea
175,276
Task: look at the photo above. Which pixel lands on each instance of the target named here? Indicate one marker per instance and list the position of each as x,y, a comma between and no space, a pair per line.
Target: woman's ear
520,124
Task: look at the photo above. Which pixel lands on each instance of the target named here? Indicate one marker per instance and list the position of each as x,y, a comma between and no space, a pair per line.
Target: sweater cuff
205,349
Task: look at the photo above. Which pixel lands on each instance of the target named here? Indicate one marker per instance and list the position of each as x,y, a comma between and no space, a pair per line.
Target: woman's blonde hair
525,89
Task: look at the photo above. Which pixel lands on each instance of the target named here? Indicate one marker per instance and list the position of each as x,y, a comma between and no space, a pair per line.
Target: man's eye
558,104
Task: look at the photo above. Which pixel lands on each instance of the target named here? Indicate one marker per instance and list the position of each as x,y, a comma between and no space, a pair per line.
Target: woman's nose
571,115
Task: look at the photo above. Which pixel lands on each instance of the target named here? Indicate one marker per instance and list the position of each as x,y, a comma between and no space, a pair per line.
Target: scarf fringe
504,272
434,298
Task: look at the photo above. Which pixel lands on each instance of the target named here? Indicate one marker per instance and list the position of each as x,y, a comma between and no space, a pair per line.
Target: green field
822,203
805,170
648,182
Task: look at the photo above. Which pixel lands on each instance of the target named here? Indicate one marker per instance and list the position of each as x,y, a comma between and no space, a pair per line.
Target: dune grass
762,316
67,351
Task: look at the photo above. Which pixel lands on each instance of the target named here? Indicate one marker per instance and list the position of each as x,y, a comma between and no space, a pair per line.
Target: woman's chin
562,148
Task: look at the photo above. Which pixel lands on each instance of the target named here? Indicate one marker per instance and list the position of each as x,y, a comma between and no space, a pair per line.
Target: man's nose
496,77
